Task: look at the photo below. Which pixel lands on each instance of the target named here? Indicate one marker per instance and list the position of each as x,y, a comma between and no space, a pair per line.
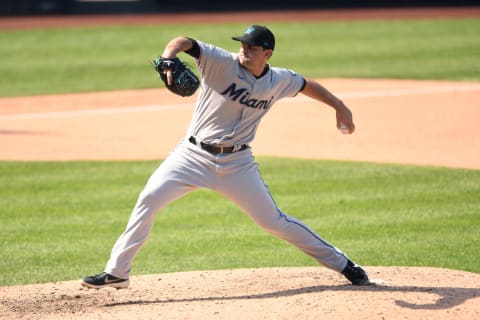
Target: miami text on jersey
234,94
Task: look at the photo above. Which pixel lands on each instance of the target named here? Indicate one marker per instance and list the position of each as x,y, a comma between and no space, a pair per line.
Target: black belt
216,149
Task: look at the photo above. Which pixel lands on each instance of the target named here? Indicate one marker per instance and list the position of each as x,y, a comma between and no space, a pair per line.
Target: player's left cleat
356,274
103,280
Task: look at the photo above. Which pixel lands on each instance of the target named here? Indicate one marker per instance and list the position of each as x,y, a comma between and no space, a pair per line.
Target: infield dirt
273,294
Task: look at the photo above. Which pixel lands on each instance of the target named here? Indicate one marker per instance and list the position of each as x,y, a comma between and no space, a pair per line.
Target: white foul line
154,108
411,91
93,112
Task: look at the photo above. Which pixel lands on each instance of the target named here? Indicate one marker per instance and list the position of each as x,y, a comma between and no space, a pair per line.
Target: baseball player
238,89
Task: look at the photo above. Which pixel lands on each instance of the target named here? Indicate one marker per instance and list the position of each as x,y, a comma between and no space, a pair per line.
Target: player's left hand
176,76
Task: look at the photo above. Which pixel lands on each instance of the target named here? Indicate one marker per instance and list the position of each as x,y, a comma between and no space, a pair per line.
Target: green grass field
59,220
110,58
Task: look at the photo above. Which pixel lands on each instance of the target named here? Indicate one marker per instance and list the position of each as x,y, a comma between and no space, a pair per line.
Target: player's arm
316,91
177,45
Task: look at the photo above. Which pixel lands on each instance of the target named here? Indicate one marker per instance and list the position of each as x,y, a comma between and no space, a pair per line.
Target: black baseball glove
184,81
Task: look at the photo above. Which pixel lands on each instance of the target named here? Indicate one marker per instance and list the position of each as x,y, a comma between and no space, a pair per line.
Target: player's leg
248,190
153,198
156,195
174,178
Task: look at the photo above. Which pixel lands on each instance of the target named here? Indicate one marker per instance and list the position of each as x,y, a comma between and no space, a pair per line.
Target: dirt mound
269,293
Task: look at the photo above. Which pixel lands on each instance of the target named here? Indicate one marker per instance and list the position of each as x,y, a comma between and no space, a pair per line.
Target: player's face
253,56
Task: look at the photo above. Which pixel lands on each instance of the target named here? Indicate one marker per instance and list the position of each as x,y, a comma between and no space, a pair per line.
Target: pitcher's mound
269,293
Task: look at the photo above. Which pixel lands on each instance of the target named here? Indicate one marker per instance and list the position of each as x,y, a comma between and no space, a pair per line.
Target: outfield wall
43,7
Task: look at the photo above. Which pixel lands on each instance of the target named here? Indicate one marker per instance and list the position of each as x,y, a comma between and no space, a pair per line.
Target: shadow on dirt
448,297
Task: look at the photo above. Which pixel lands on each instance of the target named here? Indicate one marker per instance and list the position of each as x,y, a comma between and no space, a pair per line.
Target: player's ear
268,53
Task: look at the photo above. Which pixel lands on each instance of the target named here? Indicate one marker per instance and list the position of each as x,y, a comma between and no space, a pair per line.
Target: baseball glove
184,81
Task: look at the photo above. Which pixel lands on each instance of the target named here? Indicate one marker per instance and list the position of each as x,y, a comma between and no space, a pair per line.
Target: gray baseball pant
234,175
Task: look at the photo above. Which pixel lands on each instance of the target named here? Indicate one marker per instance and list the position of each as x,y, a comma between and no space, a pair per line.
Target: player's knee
149,199
274,225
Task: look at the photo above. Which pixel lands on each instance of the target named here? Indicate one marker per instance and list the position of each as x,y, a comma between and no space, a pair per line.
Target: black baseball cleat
356,274
103,280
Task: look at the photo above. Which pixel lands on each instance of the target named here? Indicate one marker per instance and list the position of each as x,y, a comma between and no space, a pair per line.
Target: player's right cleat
103,280
356,274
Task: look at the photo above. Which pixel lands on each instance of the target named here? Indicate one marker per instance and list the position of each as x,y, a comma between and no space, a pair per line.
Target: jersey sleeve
291,82
213,61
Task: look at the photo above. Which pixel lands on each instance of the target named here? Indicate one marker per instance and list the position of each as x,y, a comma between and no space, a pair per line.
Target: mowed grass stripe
60,219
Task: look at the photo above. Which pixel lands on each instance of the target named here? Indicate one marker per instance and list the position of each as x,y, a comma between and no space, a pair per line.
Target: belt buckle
221,149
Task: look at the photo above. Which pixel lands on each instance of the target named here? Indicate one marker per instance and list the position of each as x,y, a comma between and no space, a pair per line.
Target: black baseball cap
258,36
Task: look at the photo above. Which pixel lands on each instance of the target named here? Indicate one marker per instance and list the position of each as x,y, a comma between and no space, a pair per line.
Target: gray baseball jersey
233,101
229,108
